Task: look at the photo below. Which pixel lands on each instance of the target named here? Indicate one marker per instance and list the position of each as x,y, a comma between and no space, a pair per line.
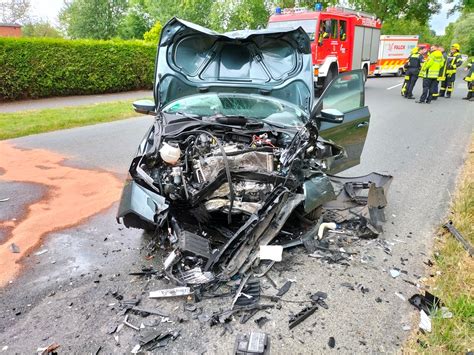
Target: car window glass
334,29
252,106
345,93
342,30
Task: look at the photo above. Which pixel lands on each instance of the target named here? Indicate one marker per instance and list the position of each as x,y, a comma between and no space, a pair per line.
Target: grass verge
454,280
24,123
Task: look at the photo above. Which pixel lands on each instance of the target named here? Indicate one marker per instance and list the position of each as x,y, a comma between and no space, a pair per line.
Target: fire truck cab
342,39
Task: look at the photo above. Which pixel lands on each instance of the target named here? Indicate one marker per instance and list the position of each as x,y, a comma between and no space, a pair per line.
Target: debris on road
14,248
296,319
271,252
171,292
332,342
5,199
284,289
49,350
254,343
425,322
427,303
41,252
394,273
450,227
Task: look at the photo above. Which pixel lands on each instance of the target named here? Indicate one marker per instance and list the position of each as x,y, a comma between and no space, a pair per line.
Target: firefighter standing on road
430,73
453,61
441,74
470,81
413,66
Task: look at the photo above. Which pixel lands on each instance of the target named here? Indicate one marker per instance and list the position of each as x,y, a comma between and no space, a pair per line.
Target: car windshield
258,107
308,25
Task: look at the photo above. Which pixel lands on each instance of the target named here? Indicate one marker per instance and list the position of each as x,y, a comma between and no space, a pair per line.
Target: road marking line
394,86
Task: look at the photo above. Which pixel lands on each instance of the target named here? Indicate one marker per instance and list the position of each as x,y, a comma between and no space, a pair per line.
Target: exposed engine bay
225,191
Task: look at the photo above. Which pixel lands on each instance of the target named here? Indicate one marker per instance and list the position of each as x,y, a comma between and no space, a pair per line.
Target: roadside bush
34,67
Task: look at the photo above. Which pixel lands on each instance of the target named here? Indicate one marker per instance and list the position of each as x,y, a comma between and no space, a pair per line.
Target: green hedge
33,67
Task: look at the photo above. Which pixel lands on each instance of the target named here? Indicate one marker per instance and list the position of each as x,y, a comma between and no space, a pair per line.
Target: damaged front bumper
204,254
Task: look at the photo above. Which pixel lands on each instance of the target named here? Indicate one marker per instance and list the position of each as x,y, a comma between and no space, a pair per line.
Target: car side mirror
331,115
147,107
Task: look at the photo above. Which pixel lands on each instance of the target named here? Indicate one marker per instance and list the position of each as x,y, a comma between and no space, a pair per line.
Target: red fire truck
342,39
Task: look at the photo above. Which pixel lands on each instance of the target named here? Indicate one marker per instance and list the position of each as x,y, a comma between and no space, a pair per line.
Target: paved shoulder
55,102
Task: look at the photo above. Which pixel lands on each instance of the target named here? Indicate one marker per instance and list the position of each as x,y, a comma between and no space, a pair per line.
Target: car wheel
399,72
366,73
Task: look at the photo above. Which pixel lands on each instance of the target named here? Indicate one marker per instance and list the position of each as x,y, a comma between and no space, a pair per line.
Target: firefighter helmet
456,46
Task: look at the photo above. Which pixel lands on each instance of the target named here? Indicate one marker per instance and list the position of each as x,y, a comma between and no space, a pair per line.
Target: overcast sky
49,9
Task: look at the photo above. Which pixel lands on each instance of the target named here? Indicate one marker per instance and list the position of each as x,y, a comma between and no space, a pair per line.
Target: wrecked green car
240,146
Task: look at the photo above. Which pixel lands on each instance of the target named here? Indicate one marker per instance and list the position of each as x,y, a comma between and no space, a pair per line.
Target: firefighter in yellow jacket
470,81
430,72
412,70
453,61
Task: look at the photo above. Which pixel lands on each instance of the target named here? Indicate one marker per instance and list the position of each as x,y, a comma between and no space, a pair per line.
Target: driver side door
343,118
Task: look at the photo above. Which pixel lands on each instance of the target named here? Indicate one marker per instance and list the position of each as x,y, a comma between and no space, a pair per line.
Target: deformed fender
141,208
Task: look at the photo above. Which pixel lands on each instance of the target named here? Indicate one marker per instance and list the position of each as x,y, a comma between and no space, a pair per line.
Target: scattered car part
428,303
301,315
248,294
284,289
425,321
172,292
271,252
261,321
324,226
255,343
148,311
450,227
331,342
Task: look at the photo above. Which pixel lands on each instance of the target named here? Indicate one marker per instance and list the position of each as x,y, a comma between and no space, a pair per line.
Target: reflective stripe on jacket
431,68
453,62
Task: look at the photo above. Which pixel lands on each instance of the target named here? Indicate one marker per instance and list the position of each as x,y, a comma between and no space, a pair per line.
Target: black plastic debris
284,289
144,312
261,321
255,343
318,298
296,319
449,226
428,303
146,271
248,294
331,342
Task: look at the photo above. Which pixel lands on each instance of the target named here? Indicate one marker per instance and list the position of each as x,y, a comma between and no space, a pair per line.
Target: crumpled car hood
192,59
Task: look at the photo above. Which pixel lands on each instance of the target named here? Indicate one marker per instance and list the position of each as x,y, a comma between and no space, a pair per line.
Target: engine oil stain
72,196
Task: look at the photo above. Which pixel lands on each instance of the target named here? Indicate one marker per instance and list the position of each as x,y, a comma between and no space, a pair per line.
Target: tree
136,21
196,11
153,35
229,15
13,11
97,19
40,29
420,10
464,6
409,27
464,33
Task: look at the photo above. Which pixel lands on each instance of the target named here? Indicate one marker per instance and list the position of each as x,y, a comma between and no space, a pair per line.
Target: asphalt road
64,295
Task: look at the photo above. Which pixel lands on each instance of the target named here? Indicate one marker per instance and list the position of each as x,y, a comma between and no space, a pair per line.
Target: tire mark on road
73,195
